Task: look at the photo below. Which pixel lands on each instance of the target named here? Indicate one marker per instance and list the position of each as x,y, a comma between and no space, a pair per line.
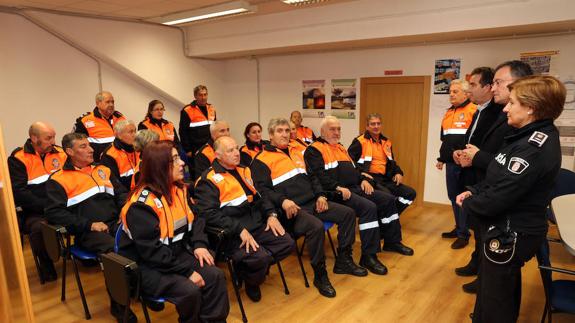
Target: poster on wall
540,62
313,94
343,94
566,125
446,70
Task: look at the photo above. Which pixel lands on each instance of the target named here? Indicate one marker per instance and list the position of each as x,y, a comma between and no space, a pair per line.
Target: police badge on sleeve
517,165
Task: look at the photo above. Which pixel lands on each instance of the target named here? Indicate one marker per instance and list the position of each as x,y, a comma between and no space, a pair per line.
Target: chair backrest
564,210
565,183
119,272
53,241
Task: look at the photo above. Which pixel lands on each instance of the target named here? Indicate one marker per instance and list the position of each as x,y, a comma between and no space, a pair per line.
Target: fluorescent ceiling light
225,9
301,2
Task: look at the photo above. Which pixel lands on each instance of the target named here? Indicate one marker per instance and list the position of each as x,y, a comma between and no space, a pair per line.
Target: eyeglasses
160,109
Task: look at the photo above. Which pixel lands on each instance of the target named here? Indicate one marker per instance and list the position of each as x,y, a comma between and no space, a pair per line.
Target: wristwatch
273,215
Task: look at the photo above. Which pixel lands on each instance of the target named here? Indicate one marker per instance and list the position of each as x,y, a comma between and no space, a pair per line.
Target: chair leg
299,253
80,289
286,290
236,290
544,313
331,244
37,263
63,297
145,310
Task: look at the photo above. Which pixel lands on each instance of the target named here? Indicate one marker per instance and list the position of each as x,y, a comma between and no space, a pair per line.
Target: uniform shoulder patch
538,138
517,165
143,196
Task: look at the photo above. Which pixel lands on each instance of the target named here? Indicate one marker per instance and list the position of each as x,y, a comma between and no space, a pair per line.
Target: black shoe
459,243
48,271
470,288
118,310
344,264
371,263
321,281
449,235
155,306
467,270
254,293
399,248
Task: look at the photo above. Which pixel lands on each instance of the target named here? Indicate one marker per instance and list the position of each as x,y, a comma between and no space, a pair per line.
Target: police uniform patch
538,138
89,124
461,116
55,163
517,165
102,174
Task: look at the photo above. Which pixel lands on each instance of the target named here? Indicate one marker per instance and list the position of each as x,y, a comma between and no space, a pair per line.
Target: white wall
42,78
368,20
281,78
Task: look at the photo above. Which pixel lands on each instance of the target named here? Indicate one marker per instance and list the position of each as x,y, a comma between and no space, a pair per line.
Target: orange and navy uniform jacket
332,165
164,128
122,161
250,150
305,134
280,174
204,158
76,199
29,172
155,233
374,155
100,131
229,200
195,125
455,123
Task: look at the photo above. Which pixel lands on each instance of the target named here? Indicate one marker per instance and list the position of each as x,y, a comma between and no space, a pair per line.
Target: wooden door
403,103
15,299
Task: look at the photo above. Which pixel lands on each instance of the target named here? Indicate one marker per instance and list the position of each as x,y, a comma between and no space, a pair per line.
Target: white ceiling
146,9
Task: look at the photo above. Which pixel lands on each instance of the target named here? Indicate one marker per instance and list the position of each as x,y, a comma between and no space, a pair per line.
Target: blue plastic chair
327,225
565,184
56,248
143,298
559,294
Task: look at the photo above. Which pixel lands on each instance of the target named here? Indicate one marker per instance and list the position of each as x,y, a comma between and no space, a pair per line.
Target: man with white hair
226,198
30,167
205,156
329,161
121,157
98,125
456,121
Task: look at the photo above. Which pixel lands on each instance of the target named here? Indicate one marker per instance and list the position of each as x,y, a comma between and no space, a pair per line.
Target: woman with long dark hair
254,143
166,239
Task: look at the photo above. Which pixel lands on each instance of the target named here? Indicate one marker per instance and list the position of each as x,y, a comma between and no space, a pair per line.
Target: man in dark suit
485,137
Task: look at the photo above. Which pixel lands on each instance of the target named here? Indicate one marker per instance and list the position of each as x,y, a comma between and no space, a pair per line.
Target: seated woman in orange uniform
254,143
166,239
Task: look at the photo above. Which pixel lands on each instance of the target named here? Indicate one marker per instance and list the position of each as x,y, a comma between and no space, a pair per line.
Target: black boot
344,264
371,263
321,281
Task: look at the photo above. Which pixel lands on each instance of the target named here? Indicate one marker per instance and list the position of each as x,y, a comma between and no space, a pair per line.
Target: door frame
426,81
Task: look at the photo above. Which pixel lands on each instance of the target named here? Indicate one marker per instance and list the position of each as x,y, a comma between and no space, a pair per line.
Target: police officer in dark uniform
510,204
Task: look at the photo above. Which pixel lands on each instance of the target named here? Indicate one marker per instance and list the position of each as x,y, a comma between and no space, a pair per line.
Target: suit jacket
488,118
492,142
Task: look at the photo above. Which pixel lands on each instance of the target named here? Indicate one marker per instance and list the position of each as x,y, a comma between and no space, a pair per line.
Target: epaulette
143,195
538,138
